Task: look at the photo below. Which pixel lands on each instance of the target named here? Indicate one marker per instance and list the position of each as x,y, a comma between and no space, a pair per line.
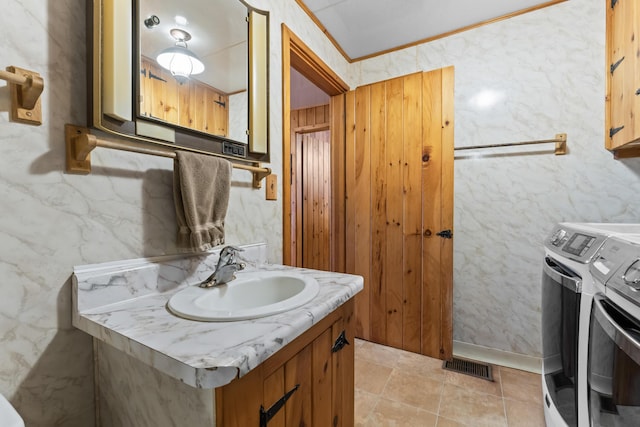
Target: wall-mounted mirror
181,73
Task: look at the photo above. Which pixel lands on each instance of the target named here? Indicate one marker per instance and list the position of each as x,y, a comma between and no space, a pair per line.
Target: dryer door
614,366
561,290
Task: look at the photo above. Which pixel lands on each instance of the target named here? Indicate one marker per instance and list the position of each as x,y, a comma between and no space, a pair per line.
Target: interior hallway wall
520,79
51,221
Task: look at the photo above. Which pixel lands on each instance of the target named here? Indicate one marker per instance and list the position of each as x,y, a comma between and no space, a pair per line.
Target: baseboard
497,357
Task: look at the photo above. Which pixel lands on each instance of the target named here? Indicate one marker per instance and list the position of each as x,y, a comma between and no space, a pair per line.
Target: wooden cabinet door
320,372
399,196
623,78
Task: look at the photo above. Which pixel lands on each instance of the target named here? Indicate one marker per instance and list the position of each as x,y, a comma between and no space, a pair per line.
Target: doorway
298,58
395,218
311,184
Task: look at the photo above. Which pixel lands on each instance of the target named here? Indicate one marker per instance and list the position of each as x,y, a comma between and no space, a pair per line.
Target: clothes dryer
613,376
567,296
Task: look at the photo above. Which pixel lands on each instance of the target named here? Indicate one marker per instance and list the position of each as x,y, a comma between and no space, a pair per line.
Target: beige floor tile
388,413
380,354
524,414
415,390
469,407
521,385
446,422
418,364
370,377
364,404
474,383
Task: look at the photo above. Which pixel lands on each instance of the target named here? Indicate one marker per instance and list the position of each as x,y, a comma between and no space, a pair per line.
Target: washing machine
613,369
567,295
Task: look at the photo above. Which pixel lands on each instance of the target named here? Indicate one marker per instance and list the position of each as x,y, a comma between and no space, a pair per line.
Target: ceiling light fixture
178,59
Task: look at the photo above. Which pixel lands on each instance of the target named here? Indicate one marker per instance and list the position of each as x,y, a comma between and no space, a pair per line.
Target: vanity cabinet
192,105
622,102
310,380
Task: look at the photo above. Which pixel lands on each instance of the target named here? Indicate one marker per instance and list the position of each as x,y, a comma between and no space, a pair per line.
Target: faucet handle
231,249
228,255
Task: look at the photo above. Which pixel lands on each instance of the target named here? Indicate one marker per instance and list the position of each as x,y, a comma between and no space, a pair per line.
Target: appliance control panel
574,244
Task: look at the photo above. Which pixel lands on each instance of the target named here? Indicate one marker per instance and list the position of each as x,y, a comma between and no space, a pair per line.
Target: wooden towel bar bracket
25,87
80,143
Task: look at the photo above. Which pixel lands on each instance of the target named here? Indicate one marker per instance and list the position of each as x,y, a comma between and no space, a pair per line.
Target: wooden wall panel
191,104
358,221
314,228
337,184
376,207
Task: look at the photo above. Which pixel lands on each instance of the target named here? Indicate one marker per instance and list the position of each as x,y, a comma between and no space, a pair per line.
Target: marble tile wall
525,78
546,69
51,221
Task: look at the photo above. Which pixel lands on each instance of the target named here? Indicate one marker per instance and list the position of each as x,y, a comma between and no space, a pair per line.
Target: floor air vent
468,367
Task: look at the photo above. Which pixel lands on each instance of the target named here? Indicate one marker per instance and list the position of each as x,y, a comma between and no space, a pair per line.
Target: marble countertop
124,305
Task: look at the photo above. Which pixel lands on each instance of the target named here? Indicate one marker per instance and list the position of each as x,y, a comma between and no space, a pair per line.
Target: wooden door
311,187
314,162
399,195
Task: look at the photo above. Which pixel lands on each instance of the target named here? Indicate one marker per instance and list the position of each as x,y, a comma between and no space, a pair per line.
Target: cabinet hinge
220,103
155,76
341,341
613,131
613,3
614,66
265,416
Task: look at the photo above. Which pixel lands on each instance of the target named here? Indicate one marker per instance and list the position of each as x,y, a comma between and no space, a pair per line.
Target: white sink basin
250,295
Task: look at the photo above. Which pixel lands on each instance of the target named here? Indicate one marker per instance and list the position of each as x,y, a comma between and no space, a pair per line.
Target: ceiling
363,28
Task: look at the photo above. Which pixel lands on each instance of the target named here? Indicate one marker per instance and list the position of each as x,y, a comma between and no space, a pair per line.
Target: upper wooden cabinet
192,105
622,132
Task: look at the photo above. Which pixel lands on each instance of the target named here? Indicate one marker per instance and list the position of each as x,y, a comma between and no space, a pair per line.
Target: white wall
546,69
548,65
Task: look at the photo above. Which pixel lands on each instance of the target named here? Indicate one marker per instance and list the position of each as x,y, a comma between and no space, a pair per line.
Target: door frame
296,54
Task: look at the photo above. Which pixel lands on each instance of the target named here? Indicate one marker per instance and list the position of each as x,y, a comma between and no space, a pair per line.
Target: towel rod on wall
26,87
80,143
560,140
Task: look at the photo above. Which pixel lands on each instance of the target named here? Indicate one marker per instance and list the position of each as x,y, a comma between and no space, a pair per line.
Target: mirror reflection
194,65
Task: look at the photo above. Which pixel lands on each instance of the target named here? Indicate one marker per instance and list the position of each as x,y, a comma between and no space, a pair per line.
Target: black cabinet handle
341,341
265,416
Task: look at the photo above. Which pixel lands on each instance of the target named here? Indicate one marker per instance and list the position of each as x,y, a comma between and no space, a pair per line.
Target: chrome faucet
225,269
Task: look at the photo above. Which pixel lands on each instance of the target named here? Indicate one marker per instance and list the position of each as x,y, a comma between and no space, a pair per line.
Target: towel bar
80,143
560,141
